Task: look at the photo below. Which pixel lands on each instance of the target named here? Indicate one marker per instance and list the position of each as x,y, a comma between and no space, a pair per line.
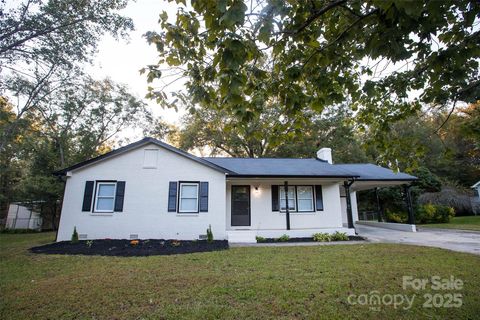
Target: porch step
241,236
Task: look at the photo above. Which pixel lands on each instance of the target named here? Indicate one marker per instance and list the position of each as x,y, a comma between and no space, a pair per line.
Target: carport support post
347,185
379,209
287,210
408,199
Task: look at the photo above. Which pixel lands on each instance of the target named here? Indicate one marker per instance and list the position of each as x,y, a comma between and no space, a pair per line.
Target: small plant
75,235
209,234
339,236
176,243
322,237
260,239
134,242
284,238
89,243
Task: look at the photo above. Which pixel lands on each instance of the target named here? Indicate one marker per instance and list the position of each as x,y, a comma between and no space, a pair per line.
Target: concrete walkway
462,241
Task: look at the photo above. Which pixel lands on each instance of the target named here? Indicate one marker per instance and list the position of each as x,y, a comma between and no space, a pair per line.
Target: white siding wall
262,216
146,198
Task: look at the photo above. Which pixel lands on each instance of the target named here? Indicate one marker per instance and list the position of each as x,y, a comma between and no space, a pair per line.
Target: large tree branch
37,34
315,15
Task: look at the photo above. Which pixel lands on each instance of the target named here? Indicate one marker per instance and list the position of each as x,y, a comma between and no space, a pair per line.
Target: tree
220,131
82,117
77,122
12,164
42,41
270,134
246,56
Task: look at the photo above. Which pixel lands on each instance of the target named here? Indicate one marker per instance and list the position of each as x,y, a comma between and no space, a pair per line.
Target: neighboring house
149,189
475,200
22,216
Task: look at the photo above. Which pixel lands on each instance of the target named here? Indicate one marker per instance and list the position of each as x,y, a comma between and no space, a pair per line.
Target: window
105,196
300,198
291,198
188,200
305,198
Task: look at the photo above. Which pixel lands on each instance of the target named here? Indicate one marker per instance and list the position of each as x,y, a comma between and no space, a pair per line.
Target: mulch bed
309,239
124,248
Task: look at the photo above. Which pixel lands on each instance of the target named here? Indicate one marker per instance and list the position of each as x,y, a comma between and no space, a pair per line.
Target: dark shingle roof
271,167
266,167
368,171
262,167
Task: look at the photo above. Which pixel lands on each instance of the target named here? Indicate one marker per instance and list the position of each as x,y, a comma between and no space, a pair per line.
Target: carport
369,177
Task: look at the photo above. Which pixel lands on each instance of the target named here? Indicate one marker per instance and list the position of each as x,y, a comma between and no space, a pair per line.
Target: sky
121,60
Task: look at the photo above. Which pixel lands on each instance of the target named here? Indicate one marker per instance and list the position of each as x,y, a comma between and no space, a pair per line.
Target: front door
240,205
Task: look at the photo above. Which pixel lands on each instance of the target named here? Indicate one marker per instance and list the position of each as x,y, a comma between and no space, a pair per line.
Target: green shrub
209,234
284,238
322,237
431,213
444,214
75,235
260,239
395,217
339,236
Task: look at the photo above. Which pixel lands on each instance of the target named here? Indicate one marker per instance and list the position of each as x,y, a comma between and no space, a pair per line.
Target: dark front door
240,205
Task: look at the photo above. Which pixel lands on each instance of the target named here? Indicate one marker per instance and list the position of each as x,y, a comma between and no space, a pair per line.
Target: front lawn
461,223
239,283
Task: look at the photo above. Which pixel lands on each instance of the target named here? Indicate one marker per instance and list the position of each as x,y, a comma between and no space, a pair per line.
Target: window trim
312,199
286,204
296,199
179,197
95,202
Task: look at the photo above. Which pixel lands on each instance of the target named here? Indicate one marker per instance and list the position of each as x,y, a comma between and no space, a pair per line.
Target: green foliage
74,235
430,213
260,239
322,237
339,236
269,135
327,237
451,195
209,234
284,238
76,123
388,57
396,217
89,243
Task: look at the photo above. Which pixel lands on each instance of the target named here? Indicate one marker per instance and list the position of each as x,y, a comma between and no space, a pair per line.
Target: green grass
461,223
240,283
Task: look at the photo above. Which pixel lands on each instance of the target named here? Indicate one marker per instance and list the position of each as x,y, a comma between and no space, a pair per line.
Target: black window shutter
275,206
87,196
319,198
119,196
172,196
203,196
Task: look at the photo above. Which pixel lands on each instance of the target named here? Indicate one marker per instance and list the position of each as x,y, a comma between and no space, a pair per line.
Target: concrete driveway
462,241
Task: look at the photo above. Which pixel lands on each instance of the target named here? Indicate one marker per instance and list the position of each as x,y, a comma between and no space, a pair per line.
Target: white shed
22,216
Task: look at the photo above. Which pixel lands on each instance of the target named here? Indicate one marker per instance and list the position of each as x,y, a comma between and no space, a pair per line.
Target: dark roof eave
399,180
288,176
